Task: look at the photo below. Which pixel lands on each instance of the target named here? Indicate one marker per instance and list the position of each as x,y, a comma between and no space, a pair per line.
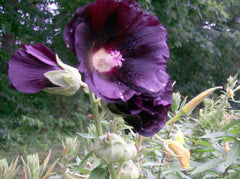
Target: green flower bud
112,148
129,171
68,80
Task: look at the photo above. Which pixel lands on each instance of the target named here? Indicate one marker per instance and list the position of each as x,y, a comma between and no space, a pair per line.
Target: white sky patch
53,8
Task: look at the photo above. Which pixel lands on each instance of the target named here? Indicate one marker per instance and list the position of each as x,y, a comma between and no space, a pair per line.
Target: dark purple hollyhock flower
122,52
146,114
35,68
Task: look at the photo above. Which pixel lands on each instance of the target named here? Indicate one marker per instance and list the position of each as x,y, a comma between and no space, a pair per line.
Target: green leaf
233,155
218,134
208,165
202,150
229,125
99,173
87,136
202,142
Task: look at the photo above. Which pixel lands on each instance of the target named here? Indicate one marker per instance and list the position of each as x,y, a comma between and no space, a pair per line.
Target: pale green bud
112,148
198,99
68,80
129,170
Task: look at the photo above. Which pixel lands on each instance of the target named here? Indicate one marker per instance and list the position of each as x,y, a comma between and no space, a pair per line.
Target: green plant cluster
210,134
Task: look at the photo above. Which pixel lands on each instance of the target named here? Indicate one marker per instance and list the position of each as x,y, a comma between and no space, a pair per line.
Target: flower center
104,61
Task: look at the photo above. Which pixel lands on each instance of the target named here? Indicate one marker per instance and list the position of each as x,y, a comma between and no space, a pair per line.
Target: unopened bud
129,170
67,81
198,99
112,148
230,93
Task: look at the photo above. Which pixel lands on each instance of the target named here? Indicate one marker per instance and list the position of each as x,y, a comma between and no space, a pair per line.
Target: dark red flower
122,52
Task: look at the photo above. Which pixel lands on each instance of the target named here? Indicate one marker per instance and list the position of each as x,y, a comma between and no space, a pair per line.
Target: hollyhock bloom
146,114
35,68
122,52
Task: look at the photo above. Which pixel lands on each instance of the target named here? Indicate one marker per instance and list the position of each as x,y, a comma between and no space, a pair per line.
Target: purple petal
144,76
111,89
165,96
26,72
70,28
42,53
99,13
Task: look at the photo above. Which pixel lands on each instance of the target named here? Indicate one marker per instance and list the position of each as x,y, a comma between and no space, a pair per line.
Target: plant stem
95,113
163,157
112,171
113,126
97,120
139,143
180,113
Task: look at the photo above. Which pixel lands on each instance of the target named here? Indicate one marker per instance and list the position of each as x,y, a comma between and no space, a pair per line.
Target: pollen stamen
104,61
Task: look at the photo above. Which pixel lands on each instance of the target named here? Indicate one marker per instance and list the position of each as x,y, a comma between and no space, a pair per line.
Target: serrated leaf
233,155
99,173
208,165
87,136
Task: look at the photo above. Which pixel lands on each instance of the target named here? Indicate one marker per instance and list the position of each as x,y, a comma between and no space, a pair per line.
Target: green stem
179,114
95,113
113,126
164,155
112,171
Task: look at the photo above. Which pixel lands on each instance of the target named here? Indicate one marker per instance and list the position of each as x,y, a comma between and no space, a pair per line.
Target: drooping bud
176,149
67,81
182,153
128,170
112,148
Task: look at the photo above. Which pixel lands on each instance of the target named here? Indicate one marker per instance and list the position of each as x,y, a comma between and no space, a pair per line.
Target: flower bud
198,99
230,92
128,170
67,81
112,148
